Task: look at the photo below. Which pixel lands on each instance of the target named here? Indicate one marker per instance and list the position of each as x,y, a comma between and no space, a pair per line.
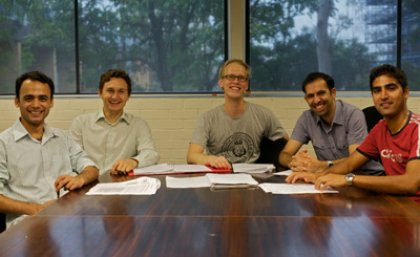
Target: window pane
37,35
344,38
169,46
410,37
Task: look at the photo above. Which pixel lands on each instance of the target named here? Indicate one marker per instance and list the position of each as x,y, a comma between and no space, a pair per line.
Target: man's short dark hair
390,71
311,77
115,73
36,76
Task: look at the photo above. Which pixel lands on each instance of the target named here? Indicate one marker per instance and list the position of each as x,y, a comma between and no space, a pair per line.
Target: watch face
349,179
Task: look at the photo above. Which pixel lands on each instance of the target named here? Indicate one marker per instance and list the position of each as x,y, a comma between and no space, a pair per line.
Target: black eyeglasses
232,77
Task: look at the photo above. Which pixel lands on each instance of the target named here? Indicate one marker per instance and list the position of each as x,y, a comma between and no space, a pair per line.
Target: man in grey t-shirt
232,132
334,127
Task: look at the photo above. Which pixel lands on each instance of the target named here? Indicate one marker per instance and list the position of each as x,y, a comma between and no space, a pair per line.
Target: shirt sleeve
4,175
79,159
369,146
75,130
146,152
415,142
357,128
300,131
276,130
201,134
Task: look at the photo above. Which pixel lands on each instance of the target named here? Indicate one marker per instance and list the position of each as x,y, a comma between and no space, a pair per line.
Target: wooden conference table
236,222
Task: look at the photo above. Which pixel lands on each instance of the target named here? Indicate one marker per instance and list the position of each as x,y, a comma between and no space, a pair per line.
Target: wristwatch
349,179
330,163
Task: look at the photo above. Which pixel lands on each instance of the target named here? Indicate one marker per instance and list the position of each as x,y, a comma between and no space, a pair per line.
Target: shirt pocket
56,161
326,151
24,170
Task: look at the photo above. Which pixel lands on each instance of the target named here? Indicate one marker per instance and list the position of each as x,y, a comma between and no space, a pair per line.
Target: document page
167,169
153,169
252,167
279,188
283,173
212,180
187,182
189,168
139,186
231,179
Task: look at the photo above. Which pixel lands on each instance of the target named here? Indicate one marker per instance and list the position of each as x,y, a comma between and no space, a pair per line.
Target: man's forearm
8,205
285,159
89,174
339,167
198,158
400,184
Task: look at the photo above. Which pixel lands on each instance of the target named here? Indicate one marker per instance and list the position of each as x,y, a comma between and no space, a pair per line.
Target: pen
58,194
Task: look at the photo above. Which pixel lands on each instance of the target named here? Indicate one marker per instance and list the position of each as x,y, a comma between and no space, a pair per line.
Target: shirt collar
19,132
124,117
338,117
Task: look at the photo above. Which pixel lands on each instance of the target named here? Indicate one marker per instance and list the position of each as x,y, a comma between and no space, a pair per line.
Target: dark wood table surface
236,222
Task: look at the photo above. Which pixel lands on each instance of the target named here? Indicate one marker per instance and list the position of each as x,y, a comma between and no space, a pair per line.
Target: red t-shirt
394,150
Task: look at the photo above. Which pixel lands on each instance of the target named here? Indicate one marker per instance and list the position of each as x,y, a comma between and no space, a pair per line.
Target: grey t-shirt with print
237,139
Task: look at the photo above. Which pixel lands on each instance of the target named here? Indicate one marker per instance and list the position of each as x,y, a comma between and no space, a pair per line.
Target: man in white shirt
117,141
37,161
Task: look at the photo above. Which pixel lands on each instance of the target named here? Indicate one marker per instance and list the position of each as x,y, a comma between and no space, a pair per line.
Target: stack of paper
252,167
283,173
166,169
277,188
213,181
139,186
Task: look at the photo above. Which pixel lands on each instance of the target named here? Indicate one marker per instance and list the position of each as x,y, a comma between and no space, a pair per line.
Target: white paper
252,167
283,173
231,179
158,168
164,168
139,186
190,168
187,182
212,180
280,188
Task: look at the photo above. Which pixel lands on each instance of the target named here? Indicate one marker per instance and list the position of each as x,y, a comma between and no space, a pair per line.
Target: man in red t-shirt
395,140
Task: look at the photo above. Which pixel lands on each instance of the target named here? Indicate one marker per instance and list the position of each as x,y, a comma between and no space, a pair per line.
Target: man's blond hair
238,61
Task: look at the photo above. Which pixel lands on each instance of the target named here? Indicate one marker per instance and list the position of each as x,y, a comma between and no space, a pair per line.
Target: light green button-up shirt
29,167
105,143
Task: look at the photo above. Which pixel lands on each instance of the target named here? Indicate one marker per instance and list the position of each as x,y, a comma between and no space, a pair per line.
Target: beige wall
172,119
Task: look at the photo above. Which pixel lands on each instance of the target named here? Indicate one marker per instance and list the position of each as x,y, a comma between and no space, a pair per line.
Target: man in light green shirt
37,161
117,141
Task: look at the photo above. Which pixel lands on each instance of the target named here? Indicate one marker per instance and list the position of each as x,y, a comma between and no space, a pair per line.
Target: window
166,46
177,46
37,35
344,38
410,45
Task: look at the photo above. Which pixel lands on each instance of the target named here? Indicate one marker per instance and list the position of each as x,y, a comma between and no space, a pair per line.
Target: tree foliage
178,45
281,56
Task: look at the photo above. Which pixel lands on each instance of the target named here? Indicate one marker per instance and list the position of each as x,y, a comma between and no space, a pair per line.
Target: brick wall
172,119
